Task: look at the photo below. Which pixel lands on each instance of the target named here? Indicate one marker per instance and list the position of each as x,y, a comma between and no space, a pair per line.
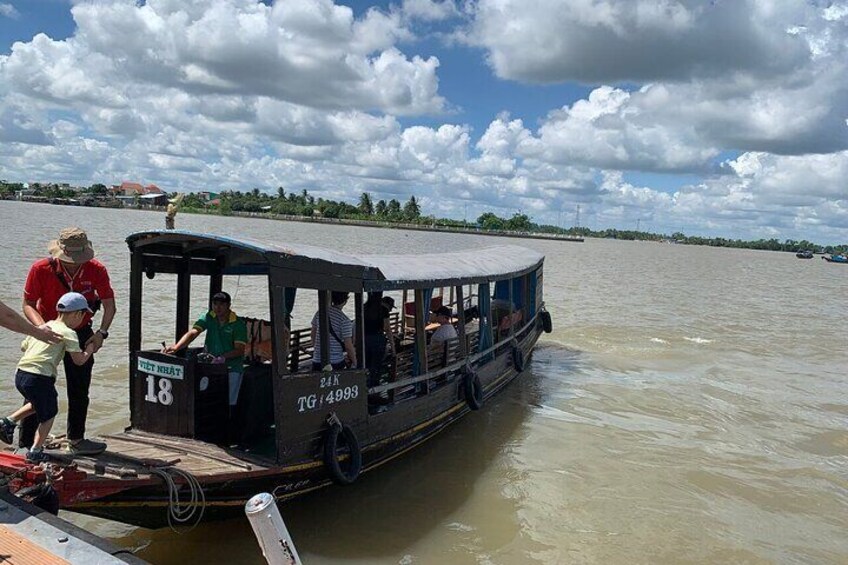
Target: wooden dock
29,535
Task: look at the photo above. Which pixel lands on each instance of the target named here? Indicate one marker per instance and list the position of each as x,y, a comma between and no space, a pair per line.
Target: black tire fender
517,357
547,324
473,390
331,454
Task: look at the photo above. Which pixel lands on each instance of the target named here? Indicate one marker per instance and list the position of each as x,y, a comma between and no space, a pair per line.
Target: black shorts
39,390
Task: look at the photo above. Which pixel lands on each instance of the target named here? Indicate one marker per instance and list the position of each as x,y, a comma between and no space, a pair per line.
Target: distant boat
836,259
805,254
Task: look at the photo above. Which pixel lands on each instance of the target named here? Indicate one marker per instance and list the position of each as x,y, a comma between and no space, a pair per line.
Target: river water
690,406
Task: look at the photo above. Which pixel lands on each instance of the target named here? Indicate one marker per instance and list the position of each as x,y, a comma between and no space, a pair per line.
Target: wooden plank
17,550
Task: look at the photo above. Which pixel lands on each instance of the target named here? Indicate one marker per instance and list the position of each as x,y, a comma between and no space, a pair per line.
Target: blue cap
72,302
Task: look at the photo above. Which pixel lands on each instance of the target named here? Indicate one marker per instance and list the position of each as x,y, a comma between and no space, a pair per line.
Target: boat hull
145,503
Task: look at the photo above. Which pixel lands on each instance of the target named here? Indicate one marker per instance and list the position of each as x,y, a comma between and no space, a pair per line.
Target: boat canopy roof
324,269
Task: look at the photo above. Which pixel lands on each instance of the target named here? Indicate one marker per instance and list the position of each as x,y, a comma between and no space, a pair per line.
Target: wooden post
324,325
216,283
136,286
403,314
420,336
359,331
183,299
294,364
511,310
279,331
492,329
463,345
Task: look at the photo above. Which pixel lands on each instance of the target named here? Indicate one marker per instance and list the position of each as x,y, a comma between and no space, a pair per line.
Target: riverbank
321,220
390,225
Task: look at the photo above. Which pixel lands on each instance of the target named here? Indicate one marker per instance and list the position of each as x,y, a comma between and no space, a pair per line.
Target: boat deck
131,454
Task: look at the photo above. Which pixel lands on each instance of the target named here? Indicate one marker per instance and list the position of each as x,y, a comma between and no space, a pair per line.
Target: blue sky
721,118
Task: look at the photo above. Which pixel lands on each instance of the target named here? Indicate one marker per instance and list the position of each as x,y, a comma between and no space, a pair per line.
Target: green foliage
393,211
8,189
490,222
411,210
366,207
380,209
193,200
519,222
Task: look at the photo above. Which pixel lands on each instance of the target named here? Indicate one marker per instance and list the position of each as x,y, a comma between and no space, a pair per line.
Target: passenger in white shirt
445,331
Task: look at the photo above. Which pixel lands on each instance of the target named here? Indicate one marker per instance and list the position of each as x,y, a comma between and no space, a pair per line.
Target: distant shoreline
334,221
388,225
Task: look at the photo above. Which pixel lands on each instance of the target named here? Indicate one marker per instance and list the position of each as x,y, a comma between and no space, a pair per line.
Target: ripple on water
625,442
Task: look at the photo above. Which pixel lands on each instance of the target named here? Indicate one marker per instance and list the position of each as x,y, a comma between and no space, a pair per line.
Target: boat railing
473,360
300,343
441,360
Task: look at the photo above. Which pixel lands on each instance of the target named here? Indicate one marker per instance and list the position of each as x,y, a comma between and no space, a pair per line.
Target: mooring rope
186,510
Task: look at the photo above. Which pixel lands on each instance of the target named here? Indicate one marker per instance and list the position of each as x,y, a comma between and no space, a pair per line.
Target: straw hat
71,247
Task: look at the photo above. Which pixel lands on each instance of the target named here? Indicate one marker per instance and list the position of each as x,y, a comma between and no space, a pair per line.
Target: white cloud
9,11
430,10
637,40
307,52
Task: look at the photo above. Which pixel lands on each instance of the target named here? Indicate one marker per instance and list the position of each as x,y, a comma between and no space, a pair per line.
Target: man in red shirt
71,267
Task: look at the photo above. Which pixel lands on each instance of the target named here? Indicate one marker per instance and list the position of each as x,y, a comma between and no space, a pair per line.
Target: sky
711,117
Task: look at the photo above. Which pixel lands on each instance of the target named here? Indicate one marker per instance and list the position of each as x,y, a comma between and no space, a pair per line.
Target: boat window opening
183,394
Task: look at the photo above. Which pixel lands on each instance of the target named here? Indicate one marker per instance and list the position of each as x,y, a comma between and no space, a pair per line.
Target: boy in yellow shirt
36,375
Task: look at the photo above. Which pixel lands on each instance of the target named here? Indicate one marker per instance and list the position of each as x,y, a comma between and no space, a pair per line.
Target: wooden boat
836,258
298,430
804,254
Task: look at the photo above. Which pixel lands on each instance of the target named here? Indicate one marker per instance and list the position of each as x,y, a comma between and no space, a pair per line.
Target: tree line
304,204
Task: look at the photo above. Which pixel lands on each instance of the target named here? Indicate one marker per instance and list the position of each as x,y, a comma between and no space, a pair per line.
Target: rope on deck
182,512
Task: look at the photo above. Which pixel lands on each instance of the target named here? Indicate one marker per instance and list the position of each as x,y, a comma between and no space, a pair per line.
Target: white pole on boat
271,532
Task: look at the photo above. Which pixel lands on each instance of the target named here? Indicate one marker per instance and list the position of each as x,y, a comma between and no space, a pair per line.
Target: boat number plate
331,391
158,379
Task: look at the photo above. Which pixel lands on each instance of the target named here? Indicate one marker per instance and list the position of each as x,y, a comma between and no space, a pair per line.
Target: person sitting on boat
341,335
226,339
445,331
35,378
378,333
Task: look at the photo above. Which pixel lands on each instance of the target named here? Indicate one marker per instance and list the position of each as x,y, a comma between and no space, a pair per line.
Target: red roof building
127,188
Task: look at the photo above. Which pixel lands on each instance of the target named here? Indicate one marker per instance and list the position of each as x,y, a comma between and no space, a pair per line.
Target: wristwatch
103,333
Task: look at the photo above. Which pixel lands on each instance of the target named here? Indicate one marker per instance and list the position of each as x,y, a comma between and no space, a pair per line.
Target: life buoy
517,357
547,324
473,390
331,454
